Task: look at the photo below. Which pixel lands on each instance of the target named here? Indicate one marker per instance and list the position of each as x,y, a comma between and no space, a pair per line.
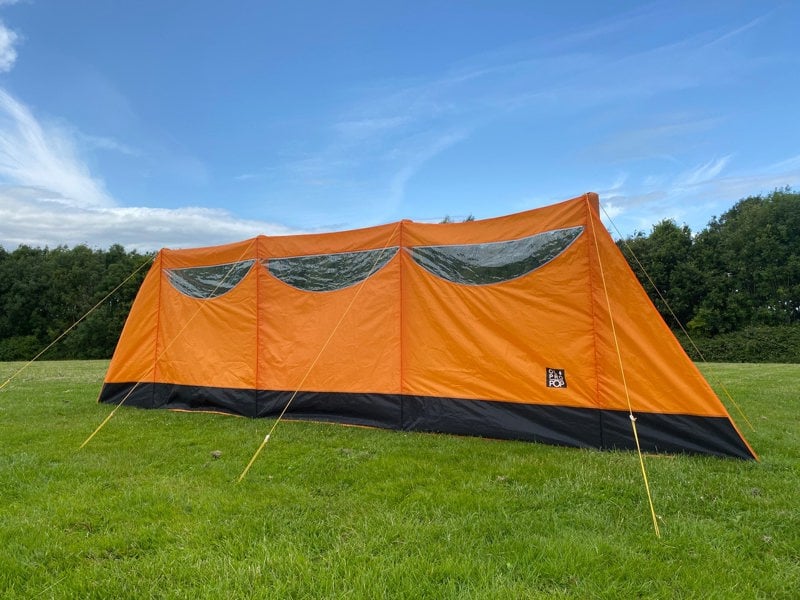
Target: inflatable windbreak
527,327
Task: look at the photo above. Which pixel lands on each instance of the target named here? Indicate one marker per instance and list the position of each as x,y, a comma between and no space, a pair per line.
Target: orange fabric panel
558,216
209,342
136,349
660,376
360,324
371,238
495,342
211,255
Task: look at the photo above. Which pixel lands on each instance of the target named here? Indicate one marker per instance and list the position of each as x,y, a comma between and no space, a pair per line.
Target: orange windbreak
400,328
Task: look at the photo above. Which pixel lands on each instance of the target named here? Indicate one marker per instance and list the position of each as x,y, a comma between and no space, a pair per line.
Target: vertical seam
401,243
257,269
156,352
594,328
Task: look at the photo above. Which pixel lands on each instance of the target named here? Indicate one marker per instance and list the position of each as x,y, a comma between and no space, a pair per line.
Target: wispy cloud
246,176
703,173
414,162
8,51
366,128
662,137
727,35
107,143
48,195
44,158
693,195
389,131
759,180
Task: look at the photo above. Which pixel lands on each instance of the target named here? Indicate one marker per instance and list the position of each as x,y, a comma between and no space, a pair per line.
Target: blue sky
181,124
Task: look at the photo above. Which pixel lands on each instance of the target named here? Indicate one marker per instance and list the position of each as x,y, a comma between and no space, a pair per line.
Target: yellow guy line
622,373
717,380
319,354
74,325
168,346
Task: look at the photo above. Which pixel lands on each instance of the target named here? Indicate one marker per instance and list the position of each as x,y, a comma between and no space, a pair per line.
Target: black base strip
559,425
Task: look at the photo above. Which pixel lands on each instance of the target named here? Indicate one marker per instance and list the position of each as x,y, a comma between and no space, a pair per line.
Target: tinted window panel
329,272
209,282
494,262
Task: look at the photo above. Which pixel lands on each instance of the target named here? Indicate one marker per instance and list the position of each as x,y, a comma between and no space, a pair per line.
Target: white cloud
692,196
8,53
107,143
739,30
761,180
661,137
26,217
44,158
49,197
608,213
365,128
416,160
703,173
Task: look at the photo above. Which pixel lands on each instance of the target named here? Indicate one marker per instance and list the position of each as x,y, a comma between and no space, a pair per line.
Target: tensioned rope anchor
644,476
255,456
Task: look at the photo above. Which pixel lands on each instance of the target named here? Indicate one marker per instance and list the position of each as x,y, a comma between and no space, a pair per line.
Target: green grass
145,511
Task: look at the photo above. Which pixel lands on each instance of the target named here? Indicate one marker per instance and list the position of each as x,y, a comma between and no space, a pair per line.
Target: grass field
146,511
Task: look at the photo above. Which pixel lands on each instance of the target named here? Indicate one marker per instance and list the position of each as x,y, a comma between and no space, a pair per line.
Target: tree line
734,287
45,291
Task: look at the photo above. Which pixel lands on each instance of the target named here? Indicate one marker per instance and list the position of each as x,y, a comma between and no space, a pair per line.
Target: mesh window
483,264
209,282
329,272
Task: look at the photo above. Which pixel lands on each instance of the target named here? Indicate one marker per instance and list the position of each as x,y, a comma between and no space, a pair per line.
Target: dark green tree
43,292
742,270
751,259
663,263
